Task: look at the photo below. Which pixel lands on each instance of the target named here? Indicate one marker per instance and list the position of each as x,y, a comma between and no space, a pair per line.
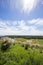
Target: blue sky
21,17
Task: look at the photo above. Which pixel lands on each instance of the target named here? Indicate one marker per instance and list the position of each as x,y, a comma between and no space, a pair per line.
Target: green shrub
22,45
5,46
26,46
32,46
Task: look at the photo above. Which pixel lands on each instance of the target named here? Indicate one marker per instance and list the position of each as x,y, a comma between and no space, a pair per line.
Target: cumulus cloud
21,5
21,27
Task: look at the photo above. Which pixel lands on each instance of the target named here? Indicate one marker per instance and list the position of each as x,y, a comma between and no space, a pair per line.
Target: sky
21,17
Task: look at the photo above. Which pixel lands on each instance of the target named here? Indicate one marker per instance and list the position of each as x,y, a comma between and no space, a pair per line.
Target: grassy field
19,53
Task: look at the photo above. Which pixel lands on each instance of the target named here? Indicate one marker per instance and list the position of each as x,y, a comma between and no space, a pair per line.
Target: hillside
21,51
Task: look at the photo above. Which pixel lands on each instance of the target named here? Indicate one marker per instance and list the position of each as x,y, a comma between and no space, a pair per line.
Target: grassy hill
22,51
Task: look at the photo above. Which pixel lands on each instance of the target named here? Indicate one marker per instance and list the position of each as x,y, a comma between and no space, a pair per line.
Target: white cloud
10,28
22,25
33,21
38,21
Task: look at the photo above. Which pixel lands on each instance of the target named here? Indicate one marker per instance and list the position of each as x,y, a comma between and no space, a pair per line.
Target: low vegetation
20,54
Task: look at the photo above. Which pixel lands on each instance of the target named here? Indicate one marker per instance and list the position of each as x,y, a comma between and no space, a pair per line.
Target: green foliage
26,46
40,41
21,55
22,45
5,45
